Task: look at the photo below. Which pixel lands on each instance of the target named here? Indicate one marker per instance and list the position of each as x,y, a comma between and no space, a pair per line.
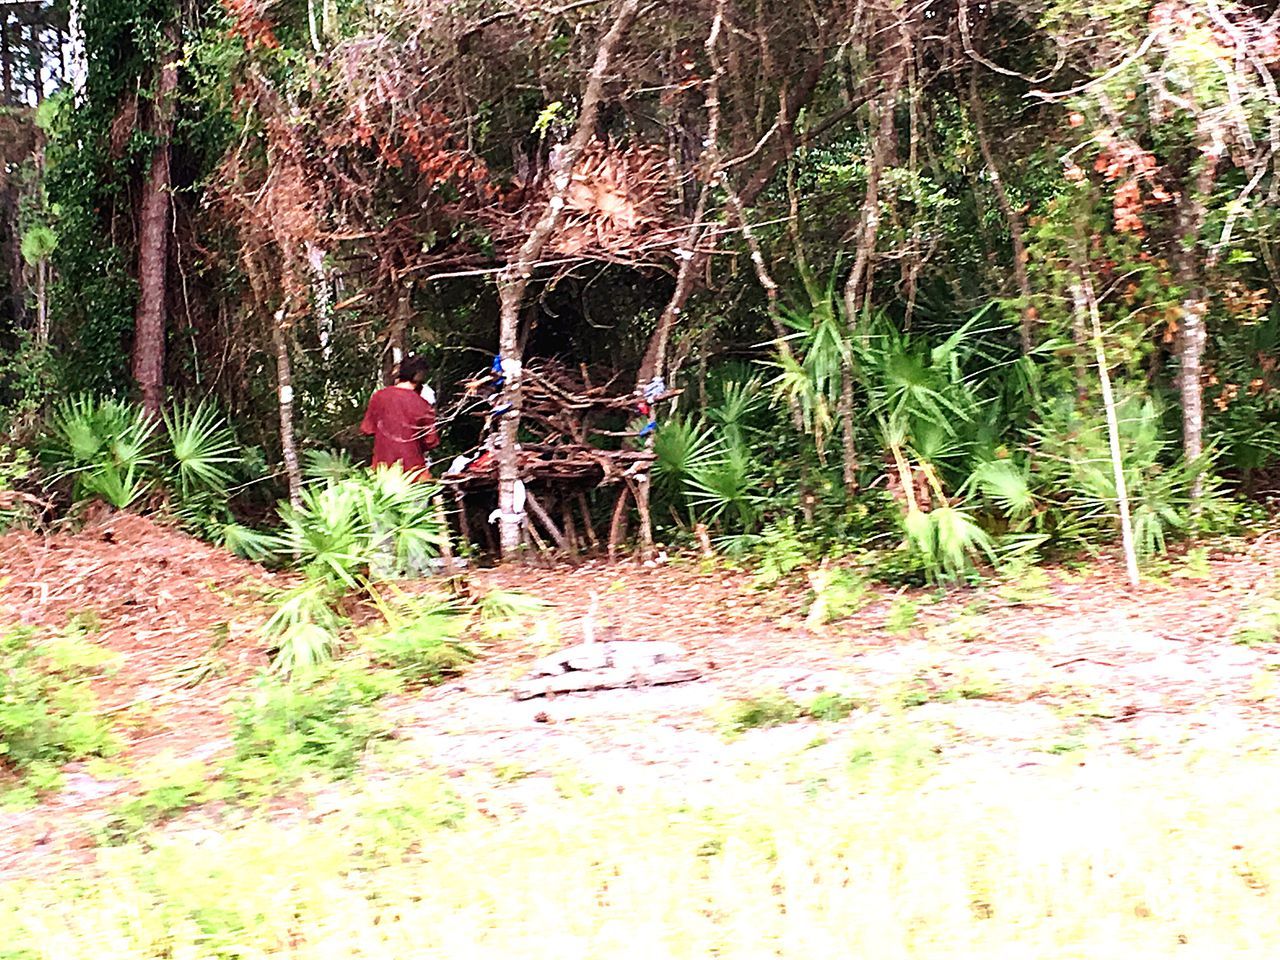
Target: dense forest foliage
965,281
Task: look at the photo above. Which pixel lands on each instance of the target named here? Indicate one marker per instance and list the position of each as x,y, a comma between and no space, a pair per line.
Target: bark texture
1195,305
284,395
153,241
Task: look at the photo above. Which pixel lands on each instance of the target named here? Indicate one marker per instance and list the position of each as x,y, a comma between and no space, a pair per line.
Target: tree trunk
284,394
37,63
514,279
686,276
1194,307
1086,305
1011,217
42,303
397,330
42,265
859,280
153,240
848,432
321,299
694,259
6,61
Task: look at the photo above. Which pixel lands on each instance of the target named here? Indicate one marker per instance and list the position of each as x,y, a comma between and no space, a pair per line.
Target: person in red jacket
402,422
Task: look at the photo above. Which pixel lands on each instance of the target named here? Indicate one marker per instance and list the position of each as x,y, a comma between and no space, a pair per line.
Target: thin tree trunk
588,527
6,60
557,535
803,268
153,240
42,303
859,280
1011,217
37,63
693,257
397,330
654,360
514,279
1194,307
284,394
848,433
17,266
1191,351
312,26
641,493
618,524
1086,304
570,528
321,299
691,262
858,283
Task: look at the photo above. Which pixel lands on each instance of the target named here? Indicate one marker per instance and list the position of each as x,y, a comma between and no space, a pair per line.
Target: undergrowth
320,722
773,709
48,714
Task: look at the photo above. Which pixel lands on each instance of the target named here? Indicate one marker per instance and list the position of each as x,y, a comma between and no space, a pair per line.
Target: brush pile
587,431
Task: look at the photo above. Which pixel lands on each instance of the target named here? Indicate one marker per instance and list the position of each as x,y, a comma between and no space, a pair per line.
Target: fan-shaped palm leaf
202,445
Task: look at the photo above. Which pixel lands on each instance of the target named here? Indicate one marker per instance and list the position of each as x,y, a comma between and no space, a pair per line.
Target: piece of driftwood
606,666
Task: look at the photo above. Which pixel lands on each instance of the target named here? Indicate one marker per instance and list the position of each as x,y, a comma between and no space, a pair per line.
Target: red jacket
403,425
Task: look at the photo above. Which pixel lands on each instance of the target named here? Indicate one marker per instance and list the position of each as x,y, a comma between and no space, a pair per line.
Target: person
402,421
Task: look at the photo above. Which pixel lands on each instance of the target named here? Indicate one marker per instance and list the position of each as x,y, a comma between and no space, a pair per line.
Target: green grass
48,713
1149,859
1259,623
774,709
902,616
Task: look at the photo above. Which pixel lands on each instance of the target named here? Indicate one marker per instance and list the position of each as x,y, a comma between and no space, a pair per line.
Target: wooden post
464,526
588,528
640,491
570,531
618,525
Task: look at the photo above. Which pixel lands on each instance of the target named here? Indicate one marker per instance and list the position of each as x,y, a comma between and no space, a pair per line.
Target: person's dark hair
412,369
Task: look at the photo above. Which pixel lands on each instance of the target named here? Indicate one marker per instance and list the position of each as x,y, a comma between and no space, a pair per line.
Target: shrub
380,523
765,710
112,451
776,709
419,639
168,786
345,534
830,706
105,447
837,593
1259,624
1072,465
48,715
303,630
318,721
15,505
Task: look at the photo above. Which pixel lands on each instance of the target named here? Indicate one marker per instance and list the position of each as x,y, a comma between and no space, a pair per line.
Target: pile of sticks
587,433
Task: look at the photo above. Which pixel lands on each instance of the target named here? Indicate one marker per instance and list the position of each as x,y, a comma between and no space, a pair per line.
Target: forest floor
1066,665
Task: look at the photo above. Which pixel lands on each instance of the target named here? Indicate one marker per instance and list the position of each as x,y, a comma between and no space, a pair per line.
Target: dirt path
1016,675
